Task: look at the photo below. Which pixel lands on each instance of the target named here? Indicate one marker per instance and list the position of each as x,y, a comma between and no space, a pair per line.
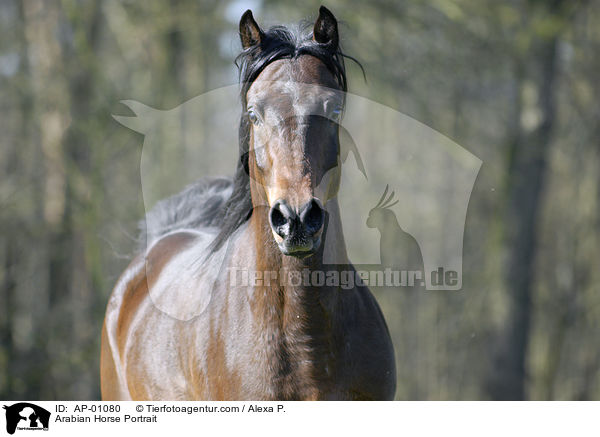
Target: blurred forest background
515,82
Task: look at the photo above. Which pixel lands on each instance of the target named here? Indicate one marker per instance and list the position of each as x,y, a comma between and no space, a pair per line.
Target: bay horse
268,340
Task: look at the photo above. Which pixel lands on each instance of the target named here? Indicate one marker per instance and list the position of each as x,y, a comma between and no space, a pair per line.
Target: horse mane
279,42
199,205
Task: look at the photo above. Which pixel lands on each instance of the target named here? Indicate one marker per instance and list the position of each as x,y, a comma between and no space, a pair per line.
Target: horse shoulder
112,375
130,306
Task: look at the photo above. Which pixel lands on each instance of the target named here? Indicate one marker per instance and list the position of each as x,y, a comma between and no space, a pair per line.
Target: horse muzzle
299,231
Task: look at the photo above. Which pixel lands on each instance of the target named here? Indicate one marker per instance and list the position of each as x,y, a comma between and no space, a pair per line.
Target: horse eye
252,117
334,112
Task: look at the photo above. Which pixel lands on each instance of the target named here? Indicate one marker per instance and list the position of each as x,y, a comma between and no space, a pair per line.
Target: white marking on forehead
287,102
298,105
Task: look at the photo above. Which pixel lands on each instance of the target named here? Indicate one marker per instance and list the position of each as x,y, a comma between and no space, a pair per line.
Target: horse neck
298,322
306,309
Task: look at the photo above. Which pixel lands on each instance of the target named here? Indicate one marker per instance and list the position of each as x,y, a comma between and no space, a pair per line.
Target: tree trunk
507,378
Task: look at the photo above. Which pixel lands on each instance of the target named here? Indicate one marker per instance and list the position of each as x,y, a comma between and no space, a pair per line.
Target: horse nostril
312,216
279,219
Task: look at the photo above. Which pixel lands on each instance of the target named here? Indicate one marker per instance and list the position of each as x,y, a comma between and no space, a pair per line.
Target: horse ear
326,29
250,33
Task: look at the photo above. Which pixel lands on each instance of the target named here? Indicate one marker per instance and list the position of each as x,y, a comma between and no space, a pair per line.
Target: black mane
278,42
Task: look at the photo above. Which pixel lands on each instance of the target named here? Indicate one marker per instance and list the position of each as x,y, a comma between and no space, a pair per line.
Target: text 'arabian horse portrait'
180,326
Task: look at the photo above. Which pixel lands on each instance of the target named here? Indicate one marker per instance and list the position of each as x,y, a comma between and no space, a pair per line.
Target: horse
269,339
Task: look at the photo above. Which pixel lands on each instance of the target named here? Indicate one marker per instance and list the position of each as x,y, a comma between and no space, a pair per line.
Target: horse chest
291,366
